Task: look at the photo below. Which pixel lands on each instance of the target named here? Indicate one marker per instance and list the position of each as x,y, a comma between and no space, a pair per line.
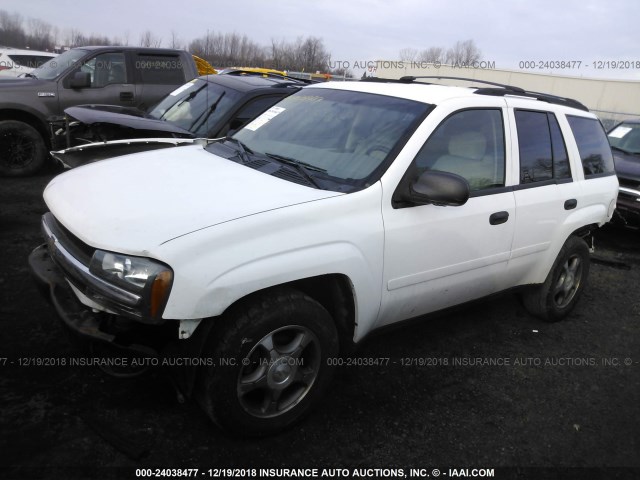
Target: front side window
469,143
594,148
106,69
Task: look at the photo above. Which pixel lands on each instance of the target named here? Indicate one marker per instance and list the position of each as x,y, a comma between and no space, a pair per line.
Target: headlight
148,278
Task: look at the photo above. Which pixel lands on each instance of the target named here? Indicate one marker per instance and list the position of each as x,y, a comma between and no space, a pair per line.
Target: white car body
227,230
344,208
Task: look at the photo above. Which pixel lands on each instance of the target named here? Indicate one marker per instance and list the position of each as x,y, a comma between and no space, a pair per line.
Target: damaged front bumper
80,319
115,334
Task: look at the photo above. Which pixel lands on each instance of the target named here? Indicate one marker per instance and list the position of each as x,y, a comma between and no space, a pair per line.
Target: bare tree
175,41
39,34
408,54
463,53
228,50
432,55
306,55
148,39
11,31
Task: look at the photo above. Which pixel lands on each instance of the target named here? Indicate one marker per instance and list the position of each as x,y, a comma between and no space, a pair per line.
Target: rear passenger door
545,193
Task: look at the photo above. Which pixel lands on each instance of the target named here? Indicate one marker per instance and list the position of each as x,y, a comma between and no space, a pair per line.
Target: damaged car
266,256
625,143
210,106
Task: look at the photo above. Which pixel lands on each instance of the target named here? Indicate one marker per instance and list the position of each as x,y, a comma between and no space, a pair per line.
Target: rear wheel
556,297
22,149
273,363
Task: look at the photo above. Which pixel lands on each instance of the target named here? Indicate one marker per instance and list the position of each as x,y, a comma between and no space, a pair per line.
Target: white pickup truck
263,256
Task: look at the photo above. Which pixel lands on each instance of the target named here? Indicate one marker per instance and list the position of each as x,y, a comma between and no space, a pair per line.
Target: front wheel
556,297
272,357
22,149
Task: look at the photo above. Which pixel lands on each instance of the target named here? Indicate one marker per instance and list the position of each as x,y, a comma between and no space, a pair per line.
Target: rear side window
593,146
543,155
29,61
159,69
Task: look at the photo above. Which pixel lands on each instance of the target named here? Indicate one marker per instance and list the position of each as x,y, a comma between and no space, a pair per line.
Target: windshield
196,106
345,135
626,137
59,64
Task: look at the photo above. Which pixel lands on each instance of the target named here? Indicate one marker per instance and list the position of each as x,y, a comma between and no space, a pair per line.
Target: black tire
22,149
272,357
556,297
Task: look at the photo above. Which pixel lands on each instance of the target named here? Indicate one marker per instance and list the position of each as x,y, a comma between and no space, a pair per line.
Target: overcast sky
506,32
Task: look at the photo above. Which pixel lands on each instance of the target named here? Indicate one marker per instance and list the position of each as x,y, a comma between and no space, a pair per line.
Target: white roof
419,92
18,51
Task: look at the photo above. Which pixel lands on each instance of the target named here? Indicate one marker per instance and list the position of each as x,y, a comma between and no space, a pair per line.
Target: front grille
76,247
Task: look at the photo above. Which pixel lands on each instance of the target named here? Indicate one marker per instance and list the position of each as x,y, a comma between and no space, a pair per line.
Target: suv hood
133,203
123,117
627,165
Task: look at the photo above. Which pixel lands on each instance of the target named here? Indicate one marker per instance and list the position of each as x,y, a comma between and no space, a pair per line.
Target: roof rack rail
543,97
380,80
410,79
502,89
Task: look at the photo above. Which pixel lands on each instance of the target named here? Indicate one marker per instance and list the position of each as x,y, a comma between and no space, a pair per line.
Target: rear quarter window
160,69
595,152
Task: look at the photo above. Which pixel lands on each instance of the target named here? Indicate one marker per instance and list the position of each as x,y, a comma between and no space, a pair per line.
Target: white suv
15,62
261,257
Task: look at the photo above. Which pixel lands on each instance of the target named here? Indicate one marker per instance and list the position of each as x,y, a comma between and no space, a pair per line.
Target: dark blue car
625,143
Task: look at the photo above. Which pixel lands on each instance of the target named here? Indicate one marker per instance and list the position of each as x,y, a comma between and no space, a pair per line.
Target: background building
612,100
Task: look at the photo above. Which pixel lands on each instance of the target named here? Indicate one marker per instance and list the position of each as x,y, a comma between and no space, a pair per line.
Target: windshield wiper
300,167
206,113
31,75
243,150
188,98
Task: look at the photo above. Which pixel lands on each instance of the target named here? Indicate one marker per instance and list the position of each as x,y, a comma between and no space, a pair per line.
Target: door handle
126,96
570,204
498,218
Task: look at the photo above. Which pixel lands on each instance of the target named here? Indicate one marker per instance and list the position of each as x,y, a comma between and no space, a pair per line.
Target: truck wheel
556,297
22,149
273,363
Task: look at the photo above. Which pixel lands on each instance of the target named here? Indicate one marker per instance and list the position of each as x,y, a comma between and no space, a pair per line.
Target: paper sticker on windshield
265,118
620,132
182,88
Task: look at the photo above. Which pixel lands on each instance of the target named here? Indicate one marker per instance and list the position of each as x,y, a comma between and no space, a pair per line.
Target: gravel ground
562,395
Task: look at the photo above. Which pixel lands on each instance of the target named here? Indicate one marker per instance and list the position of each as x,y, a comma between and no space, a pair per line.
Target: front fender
217,266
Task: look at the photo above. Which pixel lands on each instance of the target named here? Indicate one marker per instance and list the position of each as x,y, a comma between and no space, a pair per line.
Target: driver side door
110,83
437,256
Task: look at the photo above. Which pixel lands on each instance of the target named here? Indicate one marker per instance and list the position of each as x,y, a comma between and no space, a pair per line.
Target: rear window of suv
595,152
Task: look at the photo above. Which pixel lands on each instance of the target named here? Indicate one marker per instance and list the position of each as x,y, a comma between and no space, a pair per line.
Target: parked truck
32,109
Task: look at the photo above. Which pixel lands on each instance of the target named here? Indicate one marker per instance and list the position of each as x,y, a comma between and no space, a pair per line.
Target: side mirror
439,188
80,80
